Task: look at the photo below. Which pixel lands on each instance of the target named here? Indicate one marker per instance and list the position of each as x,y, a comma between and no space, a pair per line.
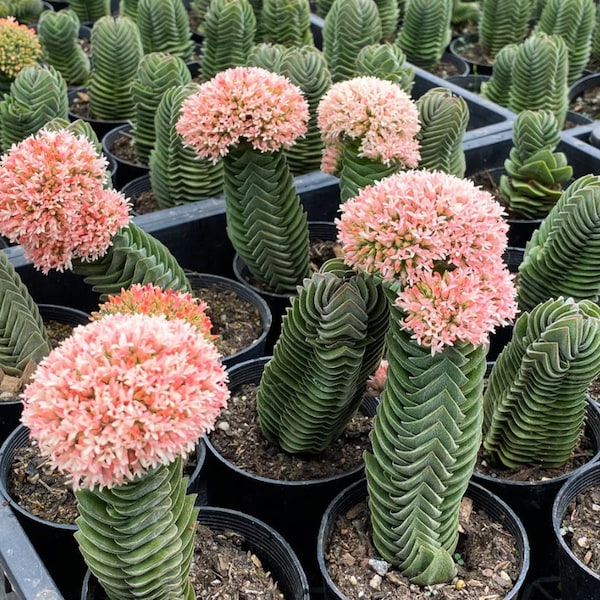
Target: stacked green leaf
266,56
229,30
322,7
425,31
444,118
23,336
465,12
563,256
165,27
497,89
389,13
386,61
135,256
177,175
332,340
535,174
129,8
138,538
534,404
90,11
37,95
26,11
157,72
503,22
198,10
349,26
59,36
116,51
266,223
286,22
573,21
540,75
425,439
595,48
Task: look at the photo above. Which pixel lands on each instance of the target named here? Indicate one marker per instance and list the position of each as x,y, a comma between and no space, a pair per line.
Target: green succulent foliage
425,439
4,10
540,76
332,340
23,336
157,72
198,10
177,175
389,13
135,256
165,27
573,20
349,26
497,89
386,61
267,56
116,51
286,22
563,256
138,538
322,7
37,95
129,8
59,36
534,404
266,223
444,118
538,7
535,174
25,11
229,33
595,49
503,22
425,31
90,11
465,12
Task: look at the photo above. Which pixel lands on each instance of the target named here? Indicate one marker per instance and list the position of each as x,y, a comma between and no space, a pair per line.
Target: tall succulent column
90,11
497,89
286,22
503,22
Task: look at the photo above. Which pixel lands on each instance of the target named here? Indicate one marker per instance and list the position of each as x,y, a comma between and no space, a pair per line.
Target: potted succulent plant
20,48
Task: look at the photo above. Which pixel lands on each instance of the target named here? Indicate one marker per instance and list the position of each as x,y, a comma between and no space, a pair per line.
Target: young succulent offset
136,521
441,266
247,117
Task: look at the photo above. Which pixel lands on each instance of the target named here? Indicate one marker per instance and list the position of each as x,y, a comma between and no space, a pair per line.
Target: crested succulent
503,22
535,173
444,118
349,26
332,339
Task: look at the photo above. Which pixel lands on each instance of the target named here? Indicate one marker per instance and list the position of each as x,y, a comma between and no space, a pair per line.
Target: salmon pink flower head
440,239
123,395
375,114
151,299
53,201
243,104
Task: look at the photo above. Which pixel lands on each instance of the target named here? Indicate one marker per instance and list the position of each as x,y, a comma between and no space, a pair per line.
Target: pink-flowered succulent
151,299
243,104
375,114
53,201
122,395
440,239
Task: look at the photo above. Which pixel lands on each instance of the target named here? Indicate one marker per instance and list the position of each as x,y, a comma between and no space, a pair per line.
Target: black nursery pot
532,502
126,170
271,548
293,507
482,499
460,44
100,126
577,580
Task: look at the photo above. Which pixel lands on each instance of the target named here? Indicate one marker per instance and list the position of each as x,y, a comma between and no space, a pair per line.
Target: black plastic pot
257,348
482,499
10,412
577,580
582,85
292,507
471,81
100,126
543,588
462,42
126,170
532,502
272,549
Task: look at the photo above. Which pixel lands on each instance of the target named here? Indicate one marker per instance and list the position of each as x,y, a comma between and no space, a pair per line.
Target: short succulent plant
19,48
386,61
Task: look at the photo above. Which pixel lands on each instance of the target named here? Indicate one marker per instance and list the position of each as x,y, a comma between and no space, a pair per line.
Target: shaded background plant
502,22
286,22
266,223
26,11
90,11
19,48
447,290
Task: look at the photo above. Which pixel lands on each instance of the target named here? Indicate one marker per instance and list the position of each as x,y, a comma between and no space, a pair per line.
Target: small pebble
381,567
353,580
460,584
223,426
375,582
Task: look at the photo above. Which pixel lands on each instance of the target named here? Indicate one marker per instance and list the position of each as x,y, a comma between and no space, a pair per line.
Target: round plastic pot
578,581
471,82
292,507
126,170
458,46
483,500
532,502
274,552
100,126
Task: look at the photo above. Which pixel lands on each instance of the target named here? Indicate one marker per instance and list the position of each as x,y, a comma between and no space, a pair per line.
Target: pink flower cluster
151,299
375,113
376,381
53,201
243,104
441,239
122,395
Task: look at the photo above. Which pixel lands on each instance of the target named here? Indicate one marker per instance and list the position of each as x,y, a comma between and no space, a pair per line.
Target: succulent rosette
436,243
